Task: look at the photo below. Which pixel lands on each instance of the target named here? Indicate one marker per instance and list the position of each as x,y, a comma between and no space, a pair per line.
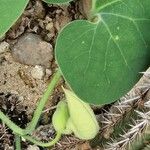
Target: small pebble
38,72
4,47
8,147
49,26
31,50
48,72
33,147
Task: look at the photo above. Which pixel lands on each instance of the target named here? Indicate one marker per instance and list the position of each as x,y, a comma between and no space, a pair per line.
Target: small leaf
56,1
82,120
10,11
60,117
101,61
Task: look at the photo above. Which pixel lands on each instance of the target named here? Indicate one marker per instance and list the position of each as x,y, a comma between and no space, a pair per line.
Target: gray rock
4,47
31,50
38,72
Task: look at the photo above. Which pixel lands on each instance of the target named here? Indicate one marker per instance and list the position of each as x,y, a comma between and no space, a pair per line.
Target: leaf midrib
133,20
106,5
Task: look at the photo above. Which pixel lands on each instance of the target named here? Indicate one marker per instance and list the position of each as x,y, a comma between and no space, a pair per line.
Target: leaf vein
107,27
133,21
90,50
108,4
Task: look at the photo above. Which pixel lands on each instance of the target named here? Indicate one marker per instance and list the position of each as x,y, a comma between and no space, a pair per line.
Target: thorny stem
141,142
16,129
51,143
18,142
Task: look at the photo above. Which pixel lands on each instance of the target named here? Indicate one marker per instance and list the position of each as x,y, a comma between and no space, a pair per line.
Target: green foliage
26,133
10,11
76,117
56,1
82,121
60,117
101,61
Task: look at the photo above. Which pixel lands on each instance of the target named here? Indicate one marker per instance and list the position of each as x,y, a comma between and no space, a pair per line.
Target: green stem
94,16
42,102
16,129
37,112
18,142
51,143
93,5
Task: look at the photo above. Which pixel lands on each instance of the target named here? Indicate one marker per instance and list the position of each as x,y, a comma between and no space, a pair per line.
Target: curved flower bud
60,117
82,120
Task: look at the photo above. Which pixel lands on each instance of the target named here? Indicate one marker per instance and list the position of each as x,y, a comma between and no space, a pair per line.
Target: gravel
38,72
4,47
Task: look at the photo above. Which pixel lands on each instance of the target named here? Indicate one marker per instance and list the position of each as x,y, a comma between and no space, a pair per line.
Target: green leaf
101,61
10,11
56,1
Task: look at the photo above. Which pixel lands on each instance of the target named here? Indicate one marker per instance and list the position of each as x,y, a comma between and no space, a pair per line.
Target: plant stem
42,102
93,5
18,142
51,143
11,125
37,112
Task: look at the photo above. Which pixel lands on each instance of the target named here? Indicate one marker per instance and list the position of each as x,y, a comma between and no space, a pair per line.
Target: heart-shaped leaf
10,11
56,1
101,61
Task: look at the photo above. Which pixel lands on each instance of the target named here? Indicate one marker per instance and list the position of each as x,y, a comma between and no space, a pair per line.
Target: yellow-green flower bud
60,117
82,120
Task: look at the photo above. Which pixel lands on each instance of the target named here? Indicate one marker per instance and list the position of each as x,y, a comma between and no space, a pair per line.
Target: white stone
49,26
48,72
38,72
4,47
33,147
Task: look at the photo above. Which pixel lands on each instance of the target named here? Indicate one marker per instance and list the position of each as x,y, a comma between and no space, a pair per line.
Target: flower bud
82,120
60,117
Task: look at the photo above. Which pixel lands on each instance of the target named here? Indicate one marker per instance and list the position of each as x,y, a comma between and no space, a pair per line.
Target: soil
21,89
